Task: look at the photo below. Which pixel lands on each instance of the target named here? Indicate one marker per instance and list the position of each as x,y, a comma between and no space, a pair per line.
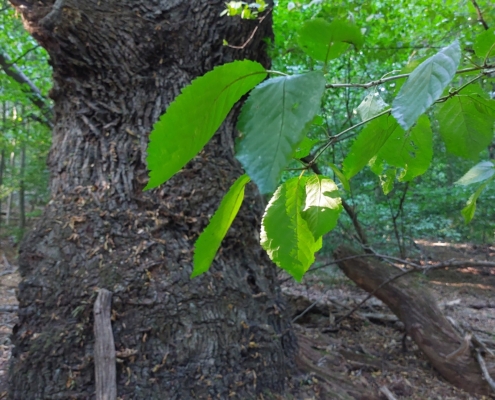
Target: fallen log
335,385
412,302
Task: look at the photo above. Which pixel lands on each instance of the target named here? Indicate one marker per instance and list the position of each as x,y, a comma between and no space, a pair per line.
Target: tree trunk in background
11,194
2,169
116,66
2,157
22,191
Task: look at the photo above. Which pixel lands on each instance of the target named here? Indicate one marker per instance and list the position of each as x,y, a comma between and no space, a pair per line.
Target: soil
370,344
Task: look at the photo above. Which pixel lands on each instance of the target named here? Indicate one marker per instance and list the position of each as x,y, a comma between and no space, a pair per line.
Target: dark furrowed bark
117,65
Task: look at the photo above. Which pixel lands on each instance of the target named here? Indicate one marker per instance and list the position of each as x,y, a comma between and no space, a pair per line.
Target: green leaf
410,67
273,123
412,150
285,234
387,180
479,173
341,176
195,115
323,205
425,85
468,211
305,147
370,106
324,41
466,124
368,144
484,45
209,241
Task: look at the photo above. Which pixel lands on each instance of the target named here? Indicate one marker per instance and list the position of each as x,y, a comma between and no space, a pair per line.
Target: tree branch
394,78
25,54
34,94
252,33
480,15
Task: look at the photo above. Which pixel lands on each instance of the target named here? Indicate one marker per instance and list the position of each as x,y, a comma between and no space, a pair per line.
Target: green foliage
273,123
338,173
470,209
372,105
484,46
324,41
323,205
425,85
209,241
293,118
411,151
466,124
479,173
368,144
305,147
195,115
243,9
285,234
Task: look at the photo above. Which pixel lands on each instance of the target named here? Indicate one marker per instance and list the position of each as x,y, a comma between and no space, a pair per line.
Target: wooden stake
104,357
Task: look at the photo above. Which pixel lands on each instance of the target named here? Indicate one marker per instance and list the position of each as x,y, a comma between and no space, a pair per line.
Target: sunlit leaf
285,234
195,115
322,206
210,239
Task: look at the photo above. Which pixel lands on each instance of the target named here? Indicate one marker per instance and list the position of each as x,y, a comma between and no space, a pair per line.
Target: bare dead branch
33,92
252,33
486,374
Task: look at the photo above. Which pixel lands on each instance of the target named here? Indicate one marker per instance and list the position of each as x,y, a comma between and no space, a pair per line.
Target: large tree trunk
117,64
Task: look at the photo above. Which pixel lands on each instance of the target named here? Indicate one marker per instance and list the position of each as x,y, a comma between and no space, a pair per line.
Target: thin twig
486,374
387,393
394,78
6,262
252,33
355,308
415,268
24,55
480,15
304,312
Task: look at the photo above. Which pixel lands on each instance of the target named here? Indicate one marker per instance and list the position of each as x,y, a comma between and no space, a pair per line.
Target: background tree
24,124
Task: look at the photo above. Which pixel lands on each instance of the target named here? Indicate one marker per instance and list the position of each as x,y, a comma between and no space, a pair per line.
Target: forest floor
369,343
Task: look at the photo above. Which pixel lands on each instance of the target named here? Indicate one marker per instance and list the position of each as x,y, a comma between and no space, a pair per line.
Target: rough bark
415,306
116,66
